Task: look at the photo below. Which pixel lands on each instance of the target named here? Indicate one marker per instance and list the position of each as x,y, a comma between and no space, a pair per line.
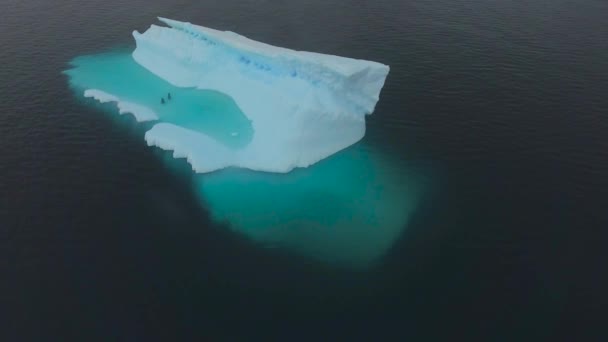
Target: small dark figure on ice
169,97
162,100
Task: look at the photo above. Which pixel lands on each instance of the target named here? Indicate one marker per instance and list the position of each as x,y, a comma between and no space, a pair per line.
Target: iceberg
265,130
303,106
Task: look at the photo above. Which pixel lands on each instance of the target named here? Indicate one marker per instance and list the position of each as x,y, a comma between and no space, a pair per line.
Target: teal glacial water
346,210
205,111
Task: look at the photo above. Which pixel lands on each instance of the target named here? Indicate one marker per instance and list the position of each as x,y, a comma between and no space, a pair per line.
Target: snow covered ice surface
303,106
241,104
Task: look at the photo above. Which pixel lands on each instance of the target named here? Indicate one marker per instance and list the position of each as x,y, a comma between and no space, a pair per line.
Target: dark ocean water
506,101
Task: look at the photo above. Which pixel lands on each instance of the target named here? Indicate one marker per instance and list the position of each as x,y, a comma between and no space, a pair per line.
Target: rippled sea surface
503,104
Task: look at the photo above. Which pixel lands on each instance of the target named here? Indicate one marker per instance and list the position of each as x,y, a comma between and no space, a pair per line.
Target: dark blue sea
501,106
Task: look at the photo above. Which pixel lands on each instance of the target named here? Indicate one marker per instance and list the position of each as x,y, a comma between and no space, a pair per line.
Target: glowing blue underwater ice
237,102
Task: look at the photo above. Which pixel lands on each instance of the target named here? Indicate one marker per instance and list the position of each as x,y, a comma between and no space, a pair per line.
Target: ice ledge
141,113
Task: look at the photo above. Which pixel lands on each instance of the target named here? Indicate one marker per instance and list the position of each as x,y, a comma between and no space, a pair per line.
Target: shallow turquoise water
206,111
346,210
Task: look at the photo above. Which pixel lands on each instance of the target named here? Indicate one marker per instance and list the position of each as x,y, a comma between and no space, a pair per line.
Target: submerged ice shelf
248,106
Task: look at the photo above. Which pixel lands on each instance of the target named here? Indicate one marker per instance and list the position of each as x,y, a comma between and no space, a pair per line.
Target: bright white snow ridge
303,106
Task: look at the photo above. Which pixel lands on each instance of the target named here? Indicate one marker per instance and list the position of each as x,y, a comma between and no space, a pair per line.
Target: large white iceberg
237,102
303,106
